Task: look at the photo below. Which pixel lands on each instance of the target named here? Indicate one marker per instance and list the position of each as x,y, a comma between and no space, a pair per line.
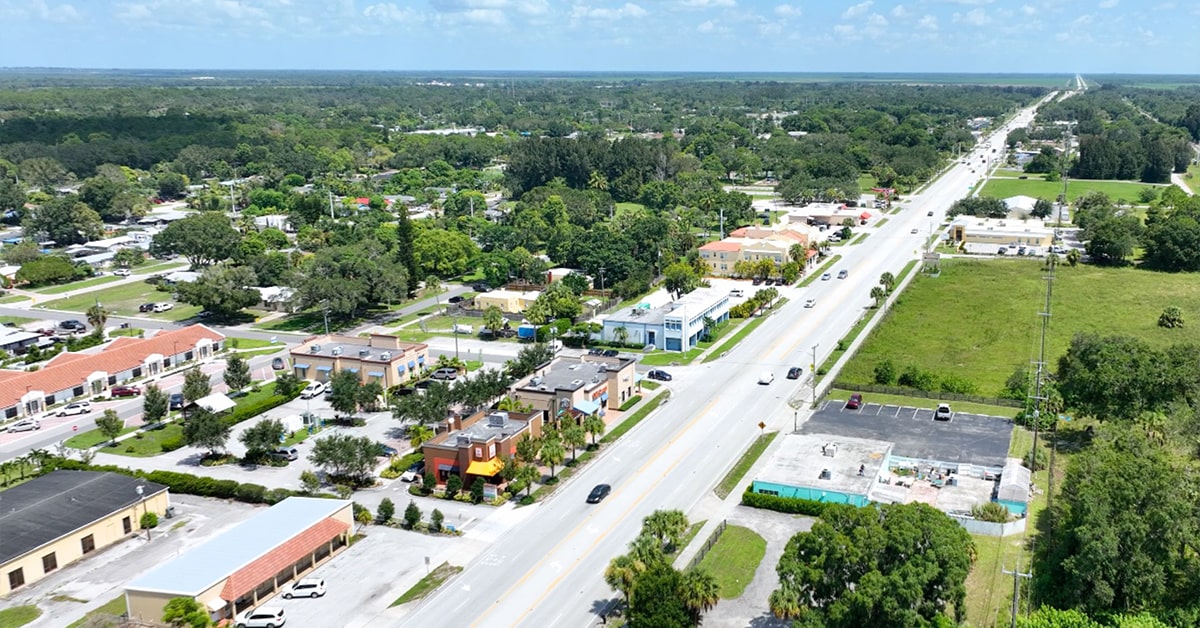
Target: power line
1017,575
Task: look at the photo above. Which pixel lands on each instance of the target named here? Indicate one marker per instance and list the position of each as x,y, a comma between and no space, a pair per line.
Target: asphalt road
549,569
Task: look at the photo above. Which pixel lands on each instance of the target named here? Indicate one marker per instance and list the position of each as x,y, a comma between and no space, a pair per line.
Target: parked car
72,325
943,412
25,425
278,364
660,375
305,587
795,372
481,287
457,299
264,617
757,281
125,391
855,402
766,378
164,306
914,231
79,407
286,453
737,293
930,213
146,307
385,450
312,390
826,277
810,303
611,353
598,493
445,373
176,402
122,272
842,274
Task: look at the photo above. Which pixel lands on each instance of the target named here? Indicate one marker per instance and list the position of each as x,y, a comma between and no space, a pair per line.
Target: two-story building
377,358
588,385
751,244
676,326
475,446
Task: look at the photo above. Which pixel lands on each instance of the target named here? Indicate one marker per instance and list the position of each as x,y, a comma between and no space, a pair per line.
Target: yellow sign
762,426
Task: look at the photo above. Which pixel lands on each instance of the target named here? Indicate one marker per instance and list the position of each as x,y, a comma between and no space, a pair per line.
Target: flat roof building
248,563
676,326
54,520
377,358
475,446
509,301
588,385
824,468
1001,231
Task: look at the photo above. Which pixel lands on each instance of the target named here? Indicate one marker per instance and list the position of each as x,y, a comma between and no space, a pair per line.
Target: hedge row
789,505
251,410
188,484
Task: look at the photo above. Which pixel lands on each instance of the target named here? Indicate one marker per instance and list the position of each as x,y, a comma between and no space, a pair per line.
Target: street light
141,491
814,373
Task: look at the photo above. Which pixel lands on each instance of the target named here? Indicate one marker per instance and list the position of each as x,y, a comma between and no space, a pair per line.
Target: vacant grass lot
733,559
123,300
1049,190
979,319
428,584
76,285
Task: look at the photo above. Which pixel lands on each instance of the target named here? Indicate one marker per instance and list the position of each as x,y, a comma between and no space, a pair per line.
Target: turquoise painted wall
803,492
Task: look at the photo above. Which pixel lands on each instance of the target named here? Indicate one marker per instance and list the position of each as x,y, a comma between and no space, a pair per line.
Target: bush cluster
251,410
188,484
750,306
789,505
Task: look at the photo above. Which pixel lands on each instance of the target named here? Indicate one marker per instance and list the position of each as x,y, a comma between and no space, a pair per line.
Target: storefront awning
375,373
587,407
352,370
324,369
485,468
301,366
412,365
421,359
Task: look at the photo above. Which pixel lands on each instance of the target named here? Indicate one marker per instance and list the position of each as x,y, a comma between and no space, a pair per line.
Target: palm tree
798,253
699,592
508,404
621,335
888,281
552,453
528,474
878,295
418,435
594,425
784,602
668,526
622,572
97,316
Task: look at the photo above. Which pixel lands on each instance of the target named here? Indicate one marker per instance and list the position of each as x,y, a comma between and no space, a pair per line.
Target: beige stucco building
581,386
54,520
752,244
378,357
509,301
1001,231
250,562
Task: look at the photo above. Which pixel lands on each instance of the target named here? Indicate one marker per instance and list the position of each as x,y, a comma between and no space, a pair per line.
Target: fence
927,394
712,540
988,528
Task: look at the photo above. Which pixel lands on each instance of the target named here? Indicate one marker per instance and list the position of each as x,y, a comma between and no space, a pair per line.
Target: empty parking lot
966,438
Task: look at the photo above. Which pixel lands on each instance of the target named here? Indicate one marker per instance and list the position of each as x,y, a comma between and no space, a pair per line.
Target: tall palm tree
784,601
594,425
622,572
699,592
97,316
621,335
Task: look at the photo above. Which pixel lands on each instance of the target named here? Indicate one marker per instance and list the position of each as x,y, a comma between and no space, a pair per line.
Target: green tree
555,302
896,565
552,452
1171,317
477,491
878,294
574,436
680,278
155,404
237,373
110,425
65,220
288,384
171,185
127,258
621,574
222,290
412,515
443,253
594,425
527,474
493,318
205,430
885,372
699,592
888,281
47,270
1112,240
262,437
655,601
668,526
185,612
436,520
21,253
419,435
97,316
386,511
345,456
346,387
196,385
204,239
453,486
309,482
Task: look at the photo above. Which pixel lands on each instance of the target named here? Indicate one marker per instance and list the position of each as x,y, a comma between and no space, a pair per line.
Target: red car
855,402
125,391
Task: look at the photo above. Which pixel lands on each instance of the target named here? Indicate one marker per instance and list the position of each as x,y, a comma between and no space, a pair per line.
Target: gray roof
206,565
48,508
568,375
1014,481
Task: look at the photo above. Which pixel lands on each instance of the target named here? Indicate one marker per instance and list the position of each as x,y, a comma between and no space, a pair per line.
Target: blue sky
1026,36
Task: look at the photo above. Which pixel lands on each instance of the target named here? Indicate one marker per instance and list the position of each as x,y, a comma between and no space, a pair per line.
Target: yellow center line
583,525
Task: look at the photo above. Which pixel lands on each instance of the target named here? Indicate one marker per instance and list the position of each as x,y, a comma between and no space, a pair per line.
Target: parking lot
965,438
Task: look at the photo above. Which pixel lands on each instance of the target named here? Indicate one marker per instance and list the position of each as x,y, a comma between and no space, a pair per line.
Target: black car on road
660,375
72,325
795,372
599,493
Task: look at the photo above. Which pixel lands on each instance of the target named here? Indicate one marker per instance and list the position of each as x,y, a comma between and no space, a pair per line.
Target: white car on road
766,378
810,303
122,272
80,407
25,425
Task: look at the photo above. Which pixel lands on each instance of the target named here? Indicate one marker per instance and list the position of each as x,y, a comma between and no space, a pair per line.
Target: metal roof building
248,563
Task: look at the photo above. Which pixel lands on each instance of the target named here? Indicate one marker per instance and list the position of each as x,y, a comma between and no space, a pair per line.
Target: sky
989,36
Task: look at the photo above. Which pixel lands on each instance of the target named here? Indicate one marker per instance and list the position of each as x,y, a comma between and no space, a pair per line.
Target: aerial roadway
548,569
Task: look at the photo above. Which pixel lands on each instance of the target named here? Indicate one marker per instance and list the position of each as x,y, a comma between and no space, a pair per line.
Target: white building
676,326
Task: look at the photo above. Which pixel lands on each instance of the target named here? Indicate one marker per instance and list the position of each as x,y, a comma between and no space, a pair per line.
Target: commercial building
52,521
250,562
676,326
587,385
376,358
475,446
751,244
1001,232
830,214
509,301
69,375
824,468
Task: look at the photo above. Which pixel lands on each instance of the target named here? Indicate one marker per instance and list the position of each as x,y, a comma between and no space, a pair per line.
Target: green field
428,584
1049,190
19,616
16,320
1192,178
734,558
76,285
123,300
13,298
979,319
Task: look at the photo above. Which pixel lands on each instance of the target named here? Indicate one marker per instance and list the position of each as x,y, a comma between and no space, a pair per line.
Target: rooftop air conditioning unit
362,353
536,381
826,475
336,351
314,349
829,450
386,355
576,382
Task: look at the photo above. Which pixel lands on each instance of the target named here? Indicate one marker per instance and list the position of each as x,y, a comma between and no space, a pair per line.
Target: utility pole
722,210
1017,575
331,205
814,373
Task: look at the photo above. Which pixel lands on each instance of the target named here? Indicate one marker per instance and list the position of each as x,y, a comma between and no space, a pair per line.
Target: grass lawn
816,274
670,358
1192,178
17,473
1011,172
863,236
635,418
650,384
114,610
76,285
691,533
866,181
733,559
1039,188
744,463
979,319
16,320
132,332
158,267
852,335
13,298
622,208
412,335
149,444
91,438
123,300
19,615
243,344
881,223
737,337
428,584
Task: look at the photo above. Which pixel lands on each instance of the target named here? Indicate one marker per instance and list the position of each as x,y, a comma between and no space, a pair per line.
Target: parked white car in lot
312,390
265,617
305,587
79,407
159,308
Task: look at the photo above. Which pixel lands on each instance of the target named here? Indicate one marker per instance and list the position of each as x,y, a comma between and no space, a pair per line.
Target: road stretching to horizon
548,570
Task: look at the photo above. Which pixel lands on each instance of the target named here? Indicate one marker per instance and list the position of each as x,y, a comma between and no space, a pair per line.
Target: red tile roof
276,560
68,370
721,246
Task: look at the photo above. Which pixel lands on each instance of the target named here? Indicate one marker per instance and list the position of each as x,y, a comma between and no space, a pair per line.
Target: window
127,524
88,543
16,578
49,562
492,450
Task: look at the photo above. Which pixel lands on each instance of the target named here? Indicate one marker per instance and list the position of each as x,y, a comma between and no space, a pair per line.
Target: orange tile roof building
751,244
69,374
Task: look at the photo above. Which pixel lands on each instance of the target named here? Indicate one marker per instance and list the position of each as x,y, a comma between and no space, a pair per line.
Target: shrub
412,515
428,483
960,385
990,511
914,377
1035,460
386,511
526,500
435,520
477,490
629,403
275,495
251,493
885,373
171,444
789,505
453,486
149,520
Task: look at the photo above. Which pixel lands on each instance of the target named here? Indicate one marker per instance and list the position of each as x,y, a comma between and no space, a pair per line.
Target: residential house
589,385
475,446
276,299
377,358
676,326
509,301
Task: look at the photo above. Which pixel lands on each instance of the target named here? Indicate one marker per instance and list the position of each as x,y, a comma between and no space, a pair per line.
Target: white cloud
707,4
1166,6
1108,4
857,10
629,10
900,12
928,22
845,31
787,10
388,13
877,21
974,17
1028,10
